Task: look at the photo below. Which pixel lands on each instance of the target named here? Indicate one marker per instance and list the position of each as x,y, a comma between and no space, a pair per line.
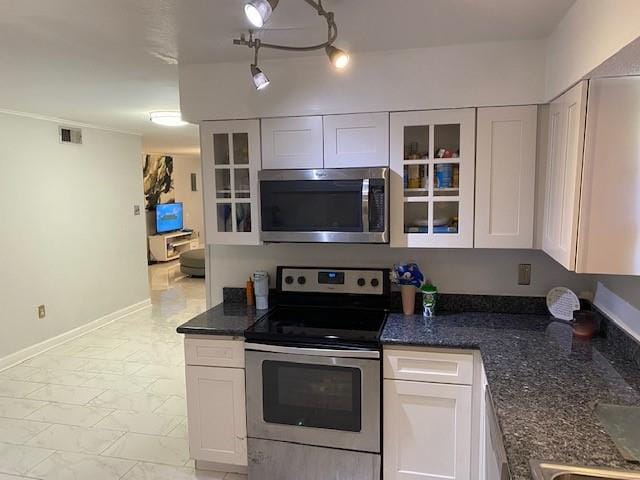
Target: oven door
332,205
313,400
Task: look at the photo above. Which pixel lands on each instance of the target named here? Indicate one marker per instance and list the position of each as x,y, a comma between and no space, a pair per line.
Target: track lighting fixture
260,80
258,11
338,58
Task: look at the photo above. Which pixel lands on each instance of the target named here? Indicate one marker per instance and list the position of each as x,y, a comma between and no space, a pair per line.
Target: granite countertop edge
223,320
534,384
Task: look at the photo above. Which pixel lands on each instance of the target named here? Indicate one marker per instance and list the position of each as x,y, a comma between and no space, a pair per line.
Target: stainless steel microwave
349,205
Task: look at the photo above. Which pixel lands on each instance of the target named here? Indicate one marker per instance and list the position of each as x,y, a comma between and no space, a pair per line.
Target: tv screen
168,217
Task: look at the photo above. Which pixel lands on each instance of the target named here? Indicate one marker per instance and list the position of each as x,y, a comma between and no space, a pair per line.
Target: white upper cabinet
292,143
230,164
432,159
563,176
505,177
609,231
360,140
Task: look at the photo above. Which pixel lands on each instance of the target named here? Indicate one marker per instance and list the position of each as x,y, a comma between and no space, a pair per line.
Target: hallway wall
68,235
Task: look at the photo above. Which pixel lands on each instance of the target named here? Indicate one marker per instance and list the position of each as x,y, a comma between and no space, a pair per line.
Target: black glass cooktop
319,326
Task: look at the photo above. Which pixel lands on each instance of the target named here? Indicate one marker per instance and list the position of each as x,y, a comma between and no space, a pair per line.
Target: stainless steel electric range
314,377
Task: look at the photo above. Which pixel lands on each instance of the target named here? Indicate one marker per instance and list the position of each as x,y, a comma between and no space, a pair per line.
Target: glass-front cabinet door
432,178
230,161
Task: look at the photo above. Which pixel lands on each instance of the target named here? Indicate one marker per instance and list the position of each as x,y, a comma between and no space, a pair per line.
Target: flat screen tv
168,217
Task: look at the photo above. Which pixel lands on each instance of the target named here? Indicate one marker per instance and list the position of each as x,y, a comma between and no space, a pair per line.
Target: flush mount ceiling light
259,11
168,119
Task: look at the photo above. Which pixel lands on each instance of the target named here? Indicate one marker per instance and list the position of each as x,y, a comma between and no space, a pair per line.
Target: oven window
311,205
309,395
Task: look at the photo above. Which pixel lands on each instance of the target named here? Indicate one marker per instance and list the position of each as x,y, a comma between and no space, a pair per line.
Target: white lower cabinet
427,431
216,409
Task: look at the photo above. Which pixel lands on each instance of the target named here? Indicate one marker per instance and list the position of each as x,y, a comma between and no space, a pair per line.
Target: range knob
288,280
302,280
375,282
361,282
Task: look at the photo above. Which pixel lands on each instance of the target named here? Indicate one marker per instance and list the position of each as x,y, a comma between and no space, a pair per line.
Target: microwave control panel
330,280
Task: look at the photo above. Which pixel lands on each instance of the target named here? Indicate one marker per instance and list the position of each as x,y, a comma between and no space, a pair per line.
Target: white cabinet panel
609,232
217,414
427,431
505,177
292,143
428,366
203,351
564,172
360,140
432,160
230,164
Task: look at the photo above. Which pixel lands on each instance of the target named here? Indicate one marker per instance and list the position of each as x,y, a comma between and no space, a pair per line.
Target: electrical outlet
136,209
41,311
524,274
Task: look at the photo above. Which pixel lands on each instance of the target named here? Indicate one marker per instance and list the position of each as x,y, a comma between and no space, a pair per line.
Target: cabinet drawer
213,352
428,366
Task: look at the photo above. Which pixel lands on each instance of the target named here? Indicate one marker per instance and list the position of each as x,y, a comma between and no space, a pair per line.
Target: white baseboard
621,312
26,353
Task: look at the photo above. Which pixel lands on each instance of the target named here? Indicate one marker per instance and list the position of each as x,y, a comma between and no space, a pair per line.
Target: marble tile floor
110,404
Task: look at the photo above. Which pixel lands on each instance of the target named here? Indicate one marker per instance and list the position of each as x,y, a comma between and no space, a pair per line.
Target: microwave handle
365,205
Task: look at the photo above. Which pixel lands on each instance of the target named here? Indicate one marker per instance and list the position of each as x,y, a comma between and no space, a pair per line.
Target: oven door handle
318,352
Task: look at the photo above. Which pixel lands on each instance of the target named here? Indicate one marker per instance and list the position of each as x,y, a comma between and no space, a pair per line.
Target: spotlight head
338,58
260,80
259,11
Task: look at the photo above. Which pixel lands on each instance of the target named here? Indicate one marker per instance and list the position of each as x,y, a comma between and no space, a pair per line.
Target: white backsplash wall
626,287
476,271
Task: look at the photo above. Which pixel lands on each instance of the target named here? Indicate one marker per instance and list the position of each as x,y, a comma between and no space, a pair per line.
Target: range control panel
329,280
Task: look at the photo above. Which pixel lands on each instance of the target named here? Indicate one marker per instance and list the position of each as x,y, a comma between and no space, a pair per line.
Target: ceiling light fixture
168,119
260,80
339,58
258,11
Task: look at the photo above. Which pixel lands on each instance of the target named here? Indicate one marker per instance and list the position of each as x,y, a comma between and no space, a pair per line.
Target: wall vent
70,135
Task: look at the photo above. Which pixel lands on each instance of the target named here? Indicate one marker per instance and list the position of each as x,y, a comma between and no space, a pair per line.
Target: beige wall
68,235
590,32
475,271
502,73
183,167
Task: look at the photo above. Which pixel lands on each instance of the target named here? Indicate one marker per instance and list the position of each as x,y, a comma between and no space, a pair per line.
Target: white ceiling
111,62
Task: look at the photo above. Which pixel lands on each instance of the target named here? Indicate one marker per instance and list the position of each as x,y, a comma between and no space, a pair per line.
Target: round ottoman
192,262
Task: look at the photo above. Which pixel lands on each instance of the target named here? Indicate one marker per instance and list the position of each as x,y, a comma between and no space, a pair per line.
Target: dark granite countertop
225,319
543,381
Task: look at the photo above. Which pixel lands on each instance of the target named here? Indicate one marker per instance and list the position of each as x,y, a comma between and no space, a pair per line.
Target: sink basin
550,471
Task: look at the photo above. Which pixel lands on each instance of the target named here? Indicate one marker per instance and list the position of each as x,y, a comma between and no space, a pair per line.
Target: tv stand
165,247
